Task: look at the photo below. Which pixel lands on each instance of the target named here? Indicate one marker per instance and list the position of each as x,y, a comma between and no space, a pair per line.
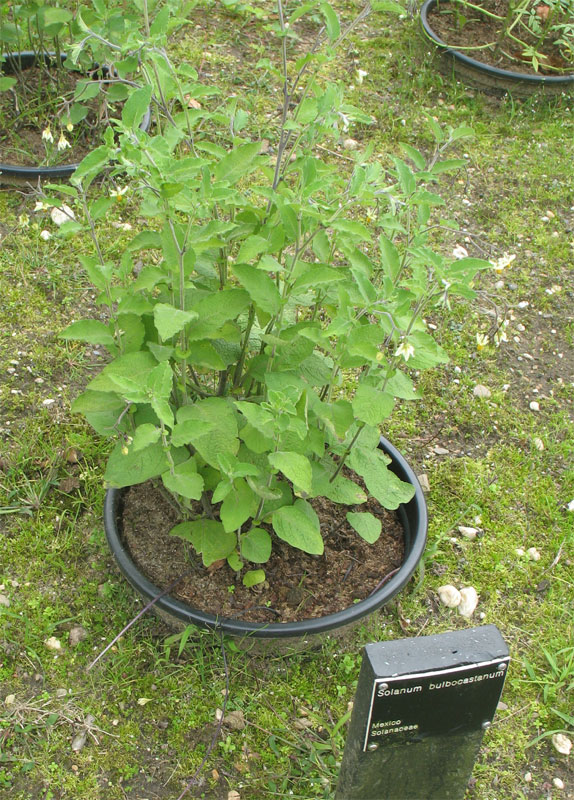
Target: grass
508,471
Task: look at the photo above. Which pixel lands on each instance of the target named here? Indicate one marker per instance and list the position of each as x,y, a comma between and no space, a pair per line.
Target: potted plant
60,81
273,321
519,46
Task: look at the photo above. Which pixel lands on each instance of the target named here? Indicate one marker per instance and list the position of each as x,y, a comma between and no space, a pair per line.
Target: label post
420,712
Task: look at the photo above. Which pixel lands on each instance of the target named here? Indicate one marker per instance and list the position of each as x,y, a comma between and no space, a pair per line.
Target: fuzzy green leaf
256,546
210,539
145,435
88,330
372,406
253,576
295,467
298,525
170,320
383,484
238,506
260,287
238,163
220,433
367,526
185,480
135,466
136,106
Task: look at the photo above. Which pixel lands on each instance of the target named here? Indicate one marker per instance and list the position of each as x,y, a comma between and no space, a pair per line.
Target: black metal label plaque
449,701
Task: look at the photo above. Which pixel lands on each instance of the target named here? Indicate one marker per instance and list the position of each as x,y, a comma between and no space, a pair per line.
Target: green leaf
185,432
185,480
170,320
136,106
372,406
253,576
91,165
331,21
390,260
427,352
251,248
400,385
295,467
388,5
238,506
260,286
367,526
219,435
383,484
7,83
256,546
298,525
145,435
235,563
102,410
133,366
211,540
258,417
204,354
88,330
406,177
462,132
341,490
416,157
238,163
135,466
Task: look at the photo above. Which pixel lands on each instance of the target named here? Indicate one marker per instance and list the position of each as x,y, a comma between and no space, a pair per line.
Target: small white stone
467,532
533,554
61,692
528,777
45,235
53,644
350,144
534,406
570,505
61,215
468,601
481,391
558,783
425,485
562,743
449,596
4,601
523,304
10,699
519,551
538,444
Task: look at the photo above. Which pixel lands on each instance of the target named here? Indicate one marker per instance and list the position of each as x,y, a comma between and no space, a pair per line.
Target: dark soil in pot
36,112
479,30
490,69
298,585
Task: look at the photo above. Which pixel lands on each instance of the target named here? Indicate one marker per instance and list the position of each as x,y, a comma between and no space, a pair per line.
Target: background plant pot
13,173
488,78
413,517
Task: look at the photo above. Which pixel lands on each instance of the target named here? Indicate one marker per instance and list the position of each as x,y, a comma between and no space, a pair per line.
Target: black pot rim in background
27,59
413,517
554,81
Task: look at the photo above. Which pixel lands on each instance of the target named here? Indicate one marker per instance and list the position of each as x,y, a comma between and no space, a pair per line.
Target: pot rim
413,516
62,170
495,72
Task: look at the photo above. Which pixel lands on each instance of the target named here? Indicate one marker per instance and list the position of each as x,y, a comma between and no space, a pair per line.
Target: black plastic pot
413,517
12,173
492,79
